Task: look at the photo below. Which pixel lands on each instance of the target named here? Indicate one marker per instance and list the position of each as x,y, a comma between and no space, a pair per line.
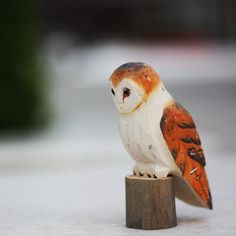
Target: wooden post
150,203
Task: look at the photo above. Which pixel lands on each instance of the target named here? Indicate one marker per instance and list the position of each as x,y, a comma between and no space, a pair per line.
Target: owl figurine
158,133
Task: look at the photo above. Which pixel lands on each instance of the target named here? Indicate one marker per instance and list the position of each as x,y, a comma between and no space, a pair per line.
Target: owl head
131,85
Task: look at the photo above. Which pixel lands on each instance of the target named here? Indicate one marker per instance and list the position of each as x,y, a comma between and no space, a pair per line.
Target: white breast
142,137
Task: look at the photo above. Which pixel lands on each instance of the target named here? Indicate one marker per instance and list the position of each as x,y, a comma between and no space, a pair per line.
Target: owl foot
147,175
150,170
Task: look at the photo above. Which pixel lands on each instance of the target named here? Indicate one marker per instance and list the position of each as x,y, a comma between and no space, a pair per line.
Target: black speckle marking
149,176
140,174
174,153
113,92
150,146
163,89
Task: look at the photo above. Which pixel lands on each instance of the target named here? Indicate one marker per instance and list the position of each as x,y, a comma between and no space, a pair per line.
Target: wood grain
150,203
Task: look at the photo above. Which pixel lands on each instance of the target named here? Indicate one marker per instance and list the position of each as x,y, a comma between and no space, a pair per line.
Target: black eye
126,92
112,91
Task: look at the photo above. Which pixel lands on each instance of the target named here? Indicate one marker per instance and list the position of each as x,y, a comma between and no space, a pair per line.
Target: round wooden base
150,203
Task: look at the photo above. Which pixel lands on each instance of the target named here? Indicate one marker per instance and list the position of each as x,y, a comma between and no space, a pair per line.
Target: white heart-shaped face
127,96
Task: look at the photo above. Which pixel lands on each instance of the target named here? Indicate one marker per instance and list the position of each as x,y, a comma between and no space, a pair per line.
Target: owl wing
181,136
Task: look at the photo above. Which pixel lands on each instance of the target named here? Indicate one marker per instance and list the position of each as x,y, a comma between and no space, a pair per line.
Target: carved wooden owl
158,133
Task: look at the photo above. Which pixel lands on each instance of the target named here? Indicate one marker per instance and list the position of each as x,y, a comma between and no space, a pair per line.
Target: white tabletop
87,198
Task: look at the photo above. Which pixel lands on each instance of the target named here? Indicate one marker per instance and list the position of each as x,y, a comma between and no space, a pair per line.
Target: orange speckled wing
182,138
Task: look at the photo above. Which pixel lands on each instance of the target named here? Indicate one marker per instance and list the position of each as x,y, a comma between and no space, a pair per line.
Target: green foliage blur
21,84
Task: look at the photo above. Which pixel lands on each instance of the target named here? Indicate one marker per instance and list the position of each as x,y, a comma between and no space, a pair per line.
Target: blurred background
62,164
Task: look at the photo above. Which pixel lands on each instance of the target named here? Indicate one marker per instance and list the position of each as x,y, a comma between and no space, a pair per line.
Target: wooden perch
150,203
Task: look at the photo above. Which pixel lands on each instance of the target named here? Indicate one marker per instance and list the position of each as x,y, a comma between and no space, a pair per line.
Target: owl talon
147,170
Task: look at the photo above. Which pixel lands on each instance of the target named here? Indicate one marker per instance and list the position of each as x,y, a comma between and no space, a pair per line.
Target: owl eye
112,91
126,92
